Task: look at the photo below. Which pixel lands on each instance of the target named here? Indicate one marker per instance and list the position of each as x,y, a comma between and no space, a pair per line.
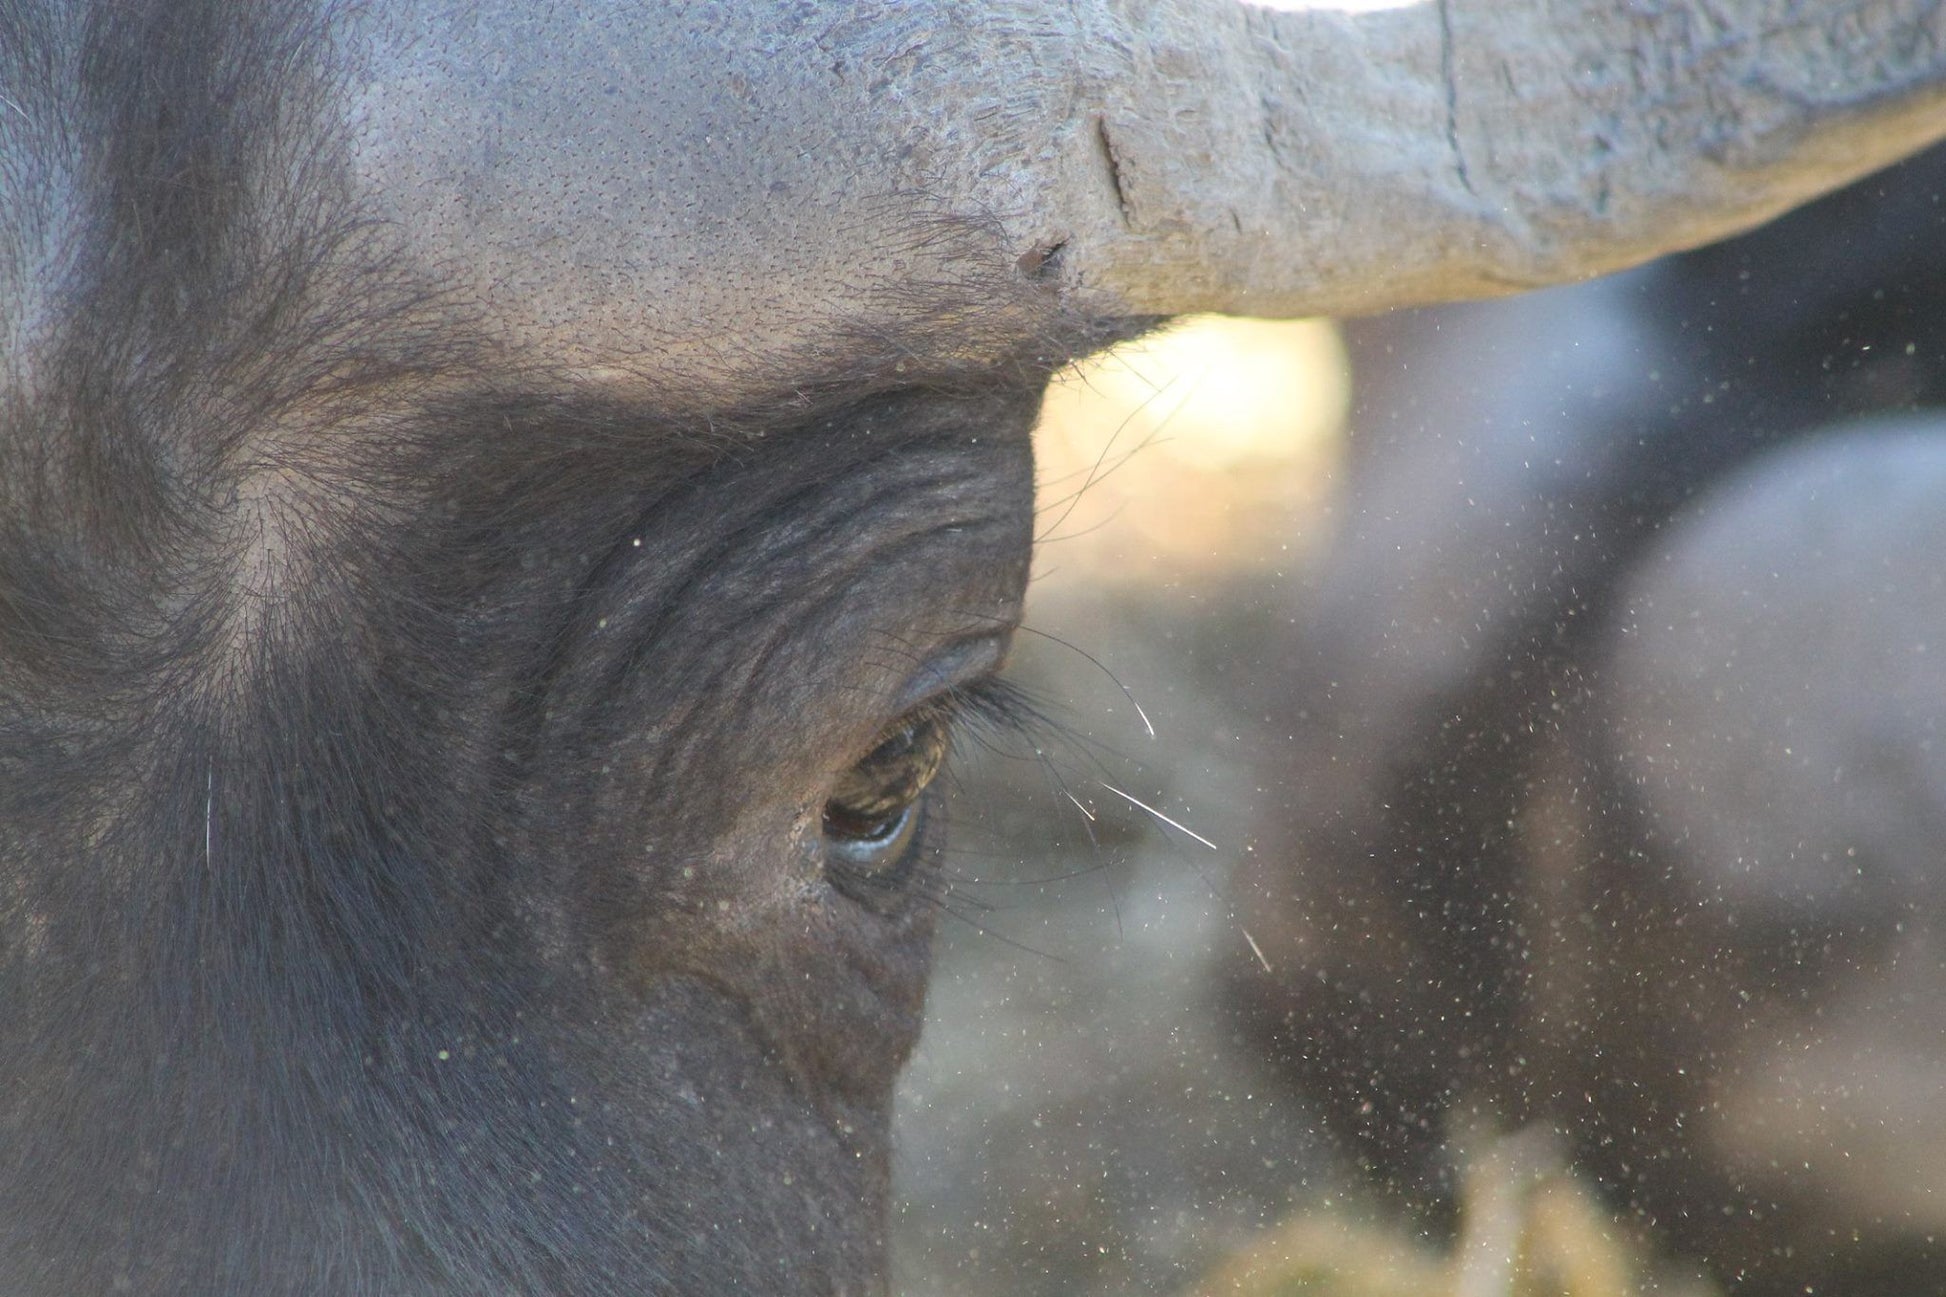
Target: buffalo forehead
712,199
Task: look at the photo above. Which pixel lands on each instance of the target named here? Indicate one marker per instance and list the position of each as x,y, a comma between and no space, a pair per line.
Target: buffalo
1614,796
502,509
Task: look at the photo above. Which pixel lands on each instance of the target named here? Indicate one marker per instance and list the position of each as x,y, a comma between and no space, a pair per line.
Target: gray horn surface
614,182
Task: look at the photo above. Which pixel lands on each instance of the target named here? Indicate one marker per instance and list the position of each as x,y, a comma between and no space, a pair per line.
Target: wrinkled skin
480,940
414,757
1614,804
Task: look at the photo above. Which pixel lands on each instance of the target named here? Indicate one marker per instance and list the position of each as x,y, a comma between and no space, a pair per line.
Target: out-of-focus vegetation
1528,1229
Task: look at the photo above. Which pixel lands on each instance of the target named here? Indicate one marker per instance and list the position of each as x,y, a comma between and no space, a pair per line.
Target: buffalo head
500,509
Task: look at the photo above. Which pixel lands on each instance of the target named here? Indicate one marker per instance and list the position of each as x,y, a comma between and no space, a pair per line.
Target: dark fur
362,701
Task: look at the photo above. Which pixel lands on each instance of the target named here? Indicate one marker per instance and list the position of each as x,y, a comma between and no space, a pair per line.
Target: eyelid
955,667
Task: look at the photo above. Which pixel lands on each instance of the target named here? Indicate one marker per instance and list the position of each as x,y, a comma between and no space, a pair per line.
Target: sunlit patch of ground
1203,451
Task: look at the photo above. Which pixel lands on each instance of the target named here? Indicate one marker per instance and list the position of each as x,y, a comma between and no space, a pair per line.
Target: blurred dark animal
1618,796
501,507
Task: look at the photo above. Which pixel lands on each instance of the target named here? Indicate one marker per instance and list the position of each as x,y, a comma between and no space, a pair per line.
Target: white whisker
1177,825
1255,949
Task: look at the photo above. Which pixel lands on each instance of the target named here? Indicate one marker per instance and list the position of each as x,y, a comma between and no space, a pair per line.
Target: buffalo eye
872,820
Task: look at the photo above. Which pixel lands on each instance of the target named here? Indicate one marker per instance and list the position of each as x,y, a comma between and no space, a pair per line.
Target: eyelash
988,709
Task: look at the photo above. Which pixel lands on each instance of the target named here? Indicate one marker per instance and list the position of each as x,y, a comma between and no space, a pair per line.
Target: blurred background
1559,695
1077,1119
